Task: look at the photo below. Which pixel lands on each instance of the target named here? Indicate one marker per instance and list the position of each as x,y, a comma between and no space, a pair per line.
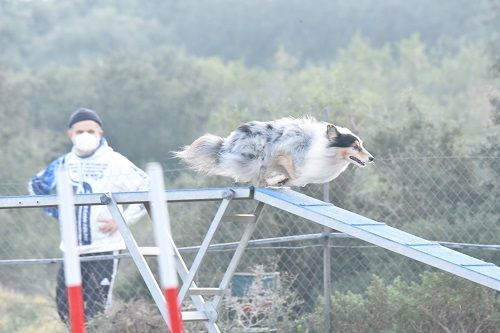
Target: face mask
85,143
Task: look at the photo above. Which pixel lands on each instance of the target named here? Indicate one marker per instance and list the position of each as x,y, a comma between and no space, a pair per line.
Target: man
93,167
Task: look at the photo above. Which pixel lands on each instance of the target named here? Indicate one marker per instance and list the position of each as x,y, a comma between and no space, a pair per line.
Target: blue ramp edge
380,234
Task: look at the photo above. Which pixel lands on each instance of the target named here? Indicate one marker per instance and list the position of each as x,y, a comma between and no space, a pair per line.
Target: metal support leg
249,229
148,276
139,260
197,300
204,246
187,276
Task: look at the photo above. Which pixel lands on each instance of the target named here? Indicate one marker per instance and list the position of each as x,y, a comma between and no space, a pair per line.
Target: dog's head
350,147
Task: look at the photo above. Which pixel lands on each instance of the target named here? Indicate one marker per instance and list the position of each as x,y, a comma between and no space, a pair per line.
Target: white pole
166,260
72,274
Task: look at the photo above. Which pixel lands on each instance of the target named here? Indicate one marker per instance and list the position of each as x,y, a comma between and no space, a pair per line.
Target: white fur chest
320,165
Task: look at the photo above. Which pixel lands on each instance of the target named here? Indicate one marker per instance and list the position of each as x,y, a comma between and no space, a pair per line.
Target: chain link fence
279,285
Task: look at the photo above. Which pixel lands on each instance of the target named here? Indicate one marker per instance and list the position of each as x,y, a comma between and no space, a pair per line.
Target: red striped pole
166,260
71,260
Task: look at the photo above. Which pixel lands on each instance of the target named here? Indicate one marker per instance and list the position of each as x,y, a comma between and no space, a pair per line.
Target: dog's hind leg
286,162
280,171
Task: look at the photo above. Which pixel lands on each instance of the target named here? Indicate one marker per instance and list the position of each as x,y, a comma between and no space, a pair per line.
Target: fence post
327,283
72,273
166,260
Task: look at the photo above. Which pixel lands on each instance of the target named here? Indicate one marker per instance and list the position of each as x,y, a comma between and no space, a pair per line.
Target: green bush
439,303
132,316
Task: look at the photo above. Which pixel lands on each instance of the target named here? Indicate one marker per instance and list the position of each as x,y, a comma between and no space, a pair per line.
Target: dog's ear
332,132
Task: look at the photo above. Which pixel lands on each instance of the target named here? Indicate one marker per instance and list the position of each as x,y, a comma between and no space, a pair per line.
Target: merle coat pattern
287,151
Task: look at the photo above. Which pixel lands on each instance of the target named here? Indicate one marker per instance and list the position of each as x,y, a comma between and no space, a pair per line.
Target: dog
283,152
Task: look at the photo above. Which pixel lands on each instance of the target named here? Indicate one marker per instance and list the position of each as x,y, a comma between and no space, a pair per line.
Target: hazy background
418,80
164,72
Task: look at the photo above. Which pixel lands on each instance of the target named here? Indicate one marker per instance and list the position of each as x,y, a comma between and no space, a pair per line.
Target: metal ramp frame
206,311
380,234
317,211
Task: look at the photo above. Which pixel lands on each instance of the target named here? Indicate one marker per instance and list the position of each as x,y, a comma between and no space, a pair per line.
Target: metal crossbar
184,195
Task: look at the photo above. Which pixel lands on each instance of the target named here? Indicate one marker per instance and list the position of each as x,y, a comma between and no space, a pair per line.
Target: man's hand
107,225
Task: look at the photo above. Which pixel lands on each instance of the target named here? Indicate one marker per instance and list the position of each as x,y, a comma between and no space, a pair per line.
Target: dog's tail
203,154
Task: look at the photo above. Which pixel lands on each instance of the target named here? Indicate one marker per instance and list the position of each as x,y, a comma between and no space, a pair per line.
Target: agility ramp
317,211
380,234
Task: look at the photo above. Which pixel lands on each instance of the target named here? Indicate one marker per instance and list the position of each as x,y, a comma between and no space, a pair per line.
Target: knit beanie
84,114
